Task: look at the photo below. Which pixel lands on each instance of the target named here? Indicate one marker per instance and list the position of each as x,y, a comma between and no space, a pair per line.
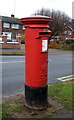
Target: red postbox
36,60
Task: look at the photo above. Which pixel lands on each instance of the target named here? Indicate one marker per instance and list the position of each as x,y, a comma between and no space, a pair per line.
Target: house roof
64,29
10,20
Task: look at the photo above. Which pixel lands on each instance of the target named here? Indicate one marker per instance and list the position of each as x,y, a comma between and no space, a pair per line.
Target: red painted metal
36,61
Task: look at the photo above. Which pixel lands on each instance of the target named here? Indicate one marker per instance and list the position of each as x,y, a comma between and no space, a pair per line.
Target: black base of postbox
36,97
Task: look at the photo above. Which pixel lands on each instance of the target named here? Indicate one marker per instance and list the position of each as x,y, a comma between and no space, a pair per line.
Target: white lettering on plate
44,45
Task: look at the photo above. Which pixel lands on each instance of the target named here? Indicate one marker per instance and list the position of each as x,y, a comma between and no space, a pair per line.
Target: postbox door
36,58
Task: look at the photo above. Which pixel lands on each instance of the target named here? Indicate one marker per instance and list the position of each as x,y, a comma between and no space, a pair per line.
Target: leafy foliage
53,45
22,36
59,19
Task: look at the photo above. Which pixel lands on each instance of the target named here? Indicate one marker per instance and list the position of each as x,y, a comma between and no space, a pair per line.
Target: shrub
53,45
69,41
60,43
22,36
22,41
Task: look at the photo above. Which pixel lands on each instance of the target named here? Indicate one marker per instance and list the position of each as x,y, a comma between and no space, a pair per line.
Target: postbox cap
37,19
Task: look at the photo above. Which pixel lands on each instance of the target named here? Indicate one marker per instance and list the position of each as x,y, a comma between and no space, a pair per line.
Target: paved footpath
59,52
50,51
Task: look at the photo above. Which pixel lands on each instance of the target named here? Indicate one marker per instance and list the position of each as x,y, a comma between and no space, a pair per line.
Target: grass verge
67,47
9,109
12,52
62,93
49,113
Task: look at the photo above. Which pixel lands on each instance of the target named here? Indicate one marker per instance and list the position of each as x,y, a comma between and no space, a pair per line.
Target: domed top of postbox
37,19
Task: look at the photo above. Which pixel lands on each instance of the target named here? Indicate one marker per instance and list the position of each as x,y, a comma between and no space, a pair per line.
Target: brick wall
16,31
72,34
63,37
11,45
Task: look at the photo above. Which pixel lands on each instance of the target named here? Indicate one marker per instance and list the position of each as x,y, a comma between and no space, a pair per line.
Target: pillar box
36,61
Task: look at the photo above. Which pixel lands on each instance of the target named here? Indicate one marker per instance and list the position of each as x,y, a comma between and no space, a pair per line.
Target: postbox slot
44,33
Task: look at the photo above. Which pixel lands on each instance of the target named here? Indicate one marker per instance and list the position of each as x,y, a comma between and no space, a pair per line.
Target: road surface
13,73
